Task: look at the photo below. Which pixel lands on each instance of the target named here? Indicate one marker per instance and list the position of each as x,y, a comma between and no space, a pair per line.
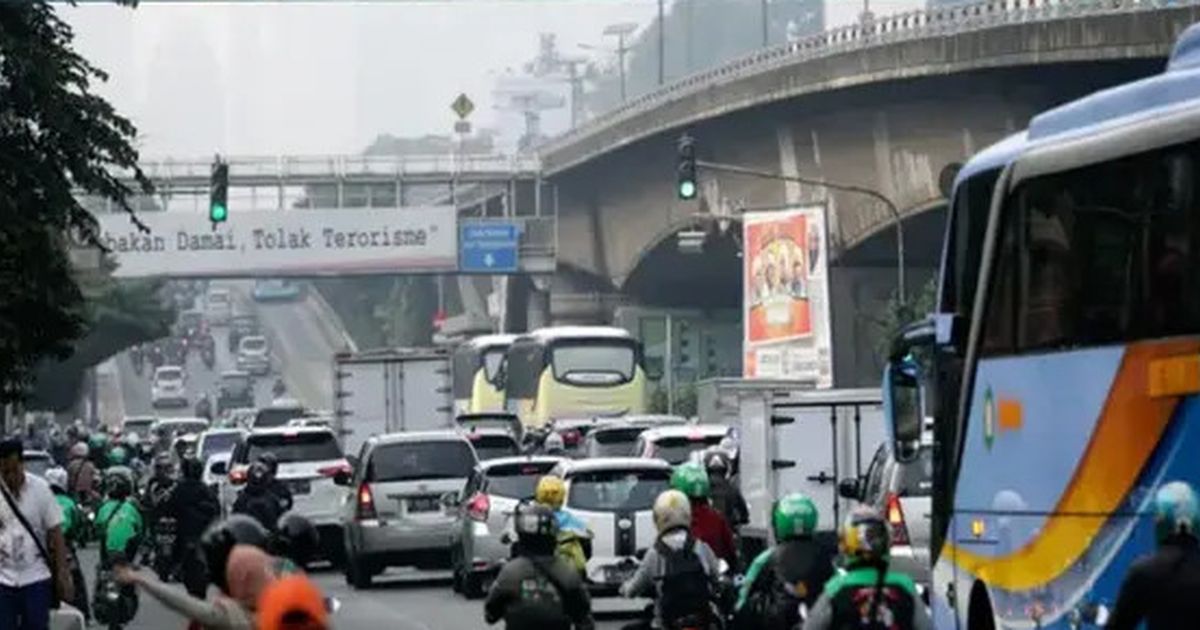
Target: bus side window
999,324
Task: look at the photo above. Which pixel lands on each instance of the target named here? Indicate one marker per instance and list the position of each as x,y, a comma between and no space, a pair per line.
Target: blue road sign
488,248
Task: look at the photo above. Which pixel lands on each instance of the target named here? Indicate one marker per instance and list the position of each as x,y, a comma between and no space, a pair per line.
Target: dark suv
236,389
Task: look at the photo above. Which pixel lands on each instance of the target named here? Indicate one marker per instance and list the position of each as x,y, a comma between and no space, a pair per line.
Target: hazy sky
327,77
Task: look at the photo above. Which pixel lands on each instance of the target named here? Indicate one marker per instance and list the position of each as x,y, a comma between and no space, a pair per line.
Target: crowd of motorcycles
103,479
174,350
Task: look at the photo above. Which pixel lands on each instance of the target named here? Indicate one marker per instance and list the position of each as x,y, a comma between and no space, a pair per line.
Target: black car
235,389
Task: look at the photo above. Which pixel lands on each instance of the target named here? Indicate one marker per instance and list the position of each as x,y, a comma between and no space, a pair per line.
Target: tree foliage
57,139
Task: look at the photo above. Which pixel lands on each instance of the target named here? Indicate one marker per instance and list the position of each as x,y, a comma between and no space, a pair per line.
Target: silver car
398,511
487,502
901,491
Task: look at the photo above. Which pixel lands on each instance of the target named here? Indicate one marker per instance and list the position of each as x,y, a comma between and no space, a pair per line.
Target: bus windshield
492,359
593,363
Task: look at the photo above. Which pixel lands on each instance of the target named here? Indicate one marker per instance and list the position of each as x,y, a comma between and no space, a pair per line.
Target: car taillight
366,503
895,518
332,471
237,476
478,507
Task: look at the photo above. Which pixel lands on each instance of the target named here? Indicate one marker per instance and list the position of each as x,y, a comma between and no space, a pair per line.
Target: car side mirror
902,406
850,489
342,478
353,461
219,468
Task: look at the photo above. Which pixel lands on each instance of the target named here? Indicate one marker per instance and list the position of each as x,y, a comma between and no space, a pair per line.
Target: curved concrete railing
338,166
889,29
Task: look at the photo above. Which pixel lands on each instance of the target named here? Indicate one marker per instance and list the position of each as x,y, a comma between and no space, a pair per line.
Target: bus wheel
979,613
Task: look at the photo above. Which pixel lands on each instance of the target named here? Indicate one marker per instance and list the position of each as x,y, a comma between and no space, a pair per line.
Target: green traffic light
687,189
218,213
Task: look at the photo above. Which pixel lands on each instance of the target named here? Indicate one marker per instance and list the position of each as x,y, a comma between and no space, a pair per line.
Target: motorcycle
114,605
165,534
138,358
209,356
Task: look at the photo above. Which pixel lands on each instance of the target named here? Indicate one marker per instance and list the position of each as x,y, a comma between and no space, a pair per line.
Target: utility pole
763,8
661,43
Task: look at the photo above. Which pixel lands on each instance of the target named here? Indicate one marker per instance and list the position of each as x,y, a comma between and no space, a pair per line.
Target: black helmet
218,541
259,474
296,539
536,526
271,461
192,468
163,465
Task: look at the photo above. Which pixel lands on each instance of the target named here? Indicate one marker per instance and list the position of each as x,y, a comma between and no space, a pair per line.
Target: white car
254,355
138,425
309,459
216,476
169,387
218,306
615,497
676,444
216,441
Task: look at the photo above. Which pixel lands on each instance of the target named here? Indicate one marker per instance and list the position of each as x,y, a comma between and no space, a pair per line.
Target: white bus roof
555,333
489,341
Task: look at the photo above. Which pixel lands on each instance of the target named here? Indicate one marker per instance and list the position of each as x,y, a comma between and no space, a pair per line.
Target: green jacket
840,601
121,527
72,523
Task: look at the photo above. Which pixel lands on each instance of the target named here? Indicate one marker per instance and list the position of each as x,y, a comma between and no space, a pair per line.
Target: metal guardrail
341,166
912,25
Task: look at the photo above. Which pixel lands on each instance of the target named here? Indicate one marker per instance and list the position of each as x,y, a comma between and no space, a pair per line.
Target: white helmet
672,510
79,451
554,443
57,478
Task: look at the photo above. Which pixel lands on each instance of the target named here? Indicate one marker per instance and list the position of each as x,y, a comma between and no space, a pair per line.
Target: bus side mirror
902,405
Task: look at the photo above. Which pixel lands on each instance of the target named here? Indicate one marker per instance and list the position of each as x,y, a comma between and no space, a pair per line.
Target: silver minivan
397,511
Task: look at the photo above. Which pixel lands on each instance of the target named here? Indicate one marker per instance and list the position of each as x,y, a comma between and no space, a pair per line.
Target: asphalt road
303,343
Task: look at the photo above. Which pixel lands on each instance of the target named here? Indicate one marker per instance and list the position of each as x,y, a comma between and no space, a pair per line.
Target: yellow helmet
551,491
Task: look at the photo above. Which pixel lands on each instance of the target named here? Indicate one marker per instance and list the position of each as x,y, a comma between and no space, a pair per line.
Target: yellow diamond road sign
462,106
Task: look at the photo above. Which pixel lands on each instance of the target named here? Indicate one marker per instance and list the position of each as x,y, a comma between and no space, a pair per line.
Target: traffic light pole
850,188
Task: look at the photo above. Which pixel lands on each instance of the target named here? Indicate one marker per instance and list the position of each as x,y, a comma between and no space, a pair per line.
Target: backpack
685,588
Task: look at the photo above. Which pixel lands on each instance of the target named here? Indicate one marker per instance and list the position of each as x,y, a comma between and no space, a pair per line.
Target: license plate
300,486
424,504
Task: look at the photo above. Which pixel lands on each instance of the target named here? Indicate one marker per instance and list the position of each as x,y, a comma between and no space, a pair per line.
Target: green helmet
794,515
691,479
1176,511
97,440
118,456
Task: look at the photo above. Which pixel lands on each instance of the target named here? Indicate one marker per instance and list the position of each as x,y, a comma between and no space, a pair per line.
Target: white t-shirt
20,562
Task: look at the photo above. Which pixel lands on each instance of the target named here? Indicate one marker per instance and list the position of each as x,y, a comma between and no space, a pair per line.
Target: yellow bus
476,368
574,371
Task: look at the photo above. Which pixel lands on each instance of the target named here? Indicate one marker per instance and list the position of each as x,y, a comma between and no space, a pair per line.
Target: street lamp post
861,190
661,43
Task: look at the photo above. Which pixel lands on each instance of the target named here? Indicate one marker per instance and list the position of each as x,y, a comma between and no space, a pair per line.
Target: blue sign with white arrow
488,248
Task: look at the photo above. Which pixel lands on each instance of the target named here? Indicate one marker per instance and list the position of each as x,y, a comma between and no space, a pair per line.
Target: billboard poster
281,243
786,301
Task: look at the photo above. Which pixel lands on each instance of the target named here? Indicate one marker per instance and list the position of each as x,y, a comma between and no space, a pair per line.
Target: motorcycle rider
538,589
194,507
787,575
81,475
98,449
204,407
574,537
162,480
119,521
865,594
59,446
278,488
707,524
1160,589
219,540
74,526
726,496
554,445
257,499
679,570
